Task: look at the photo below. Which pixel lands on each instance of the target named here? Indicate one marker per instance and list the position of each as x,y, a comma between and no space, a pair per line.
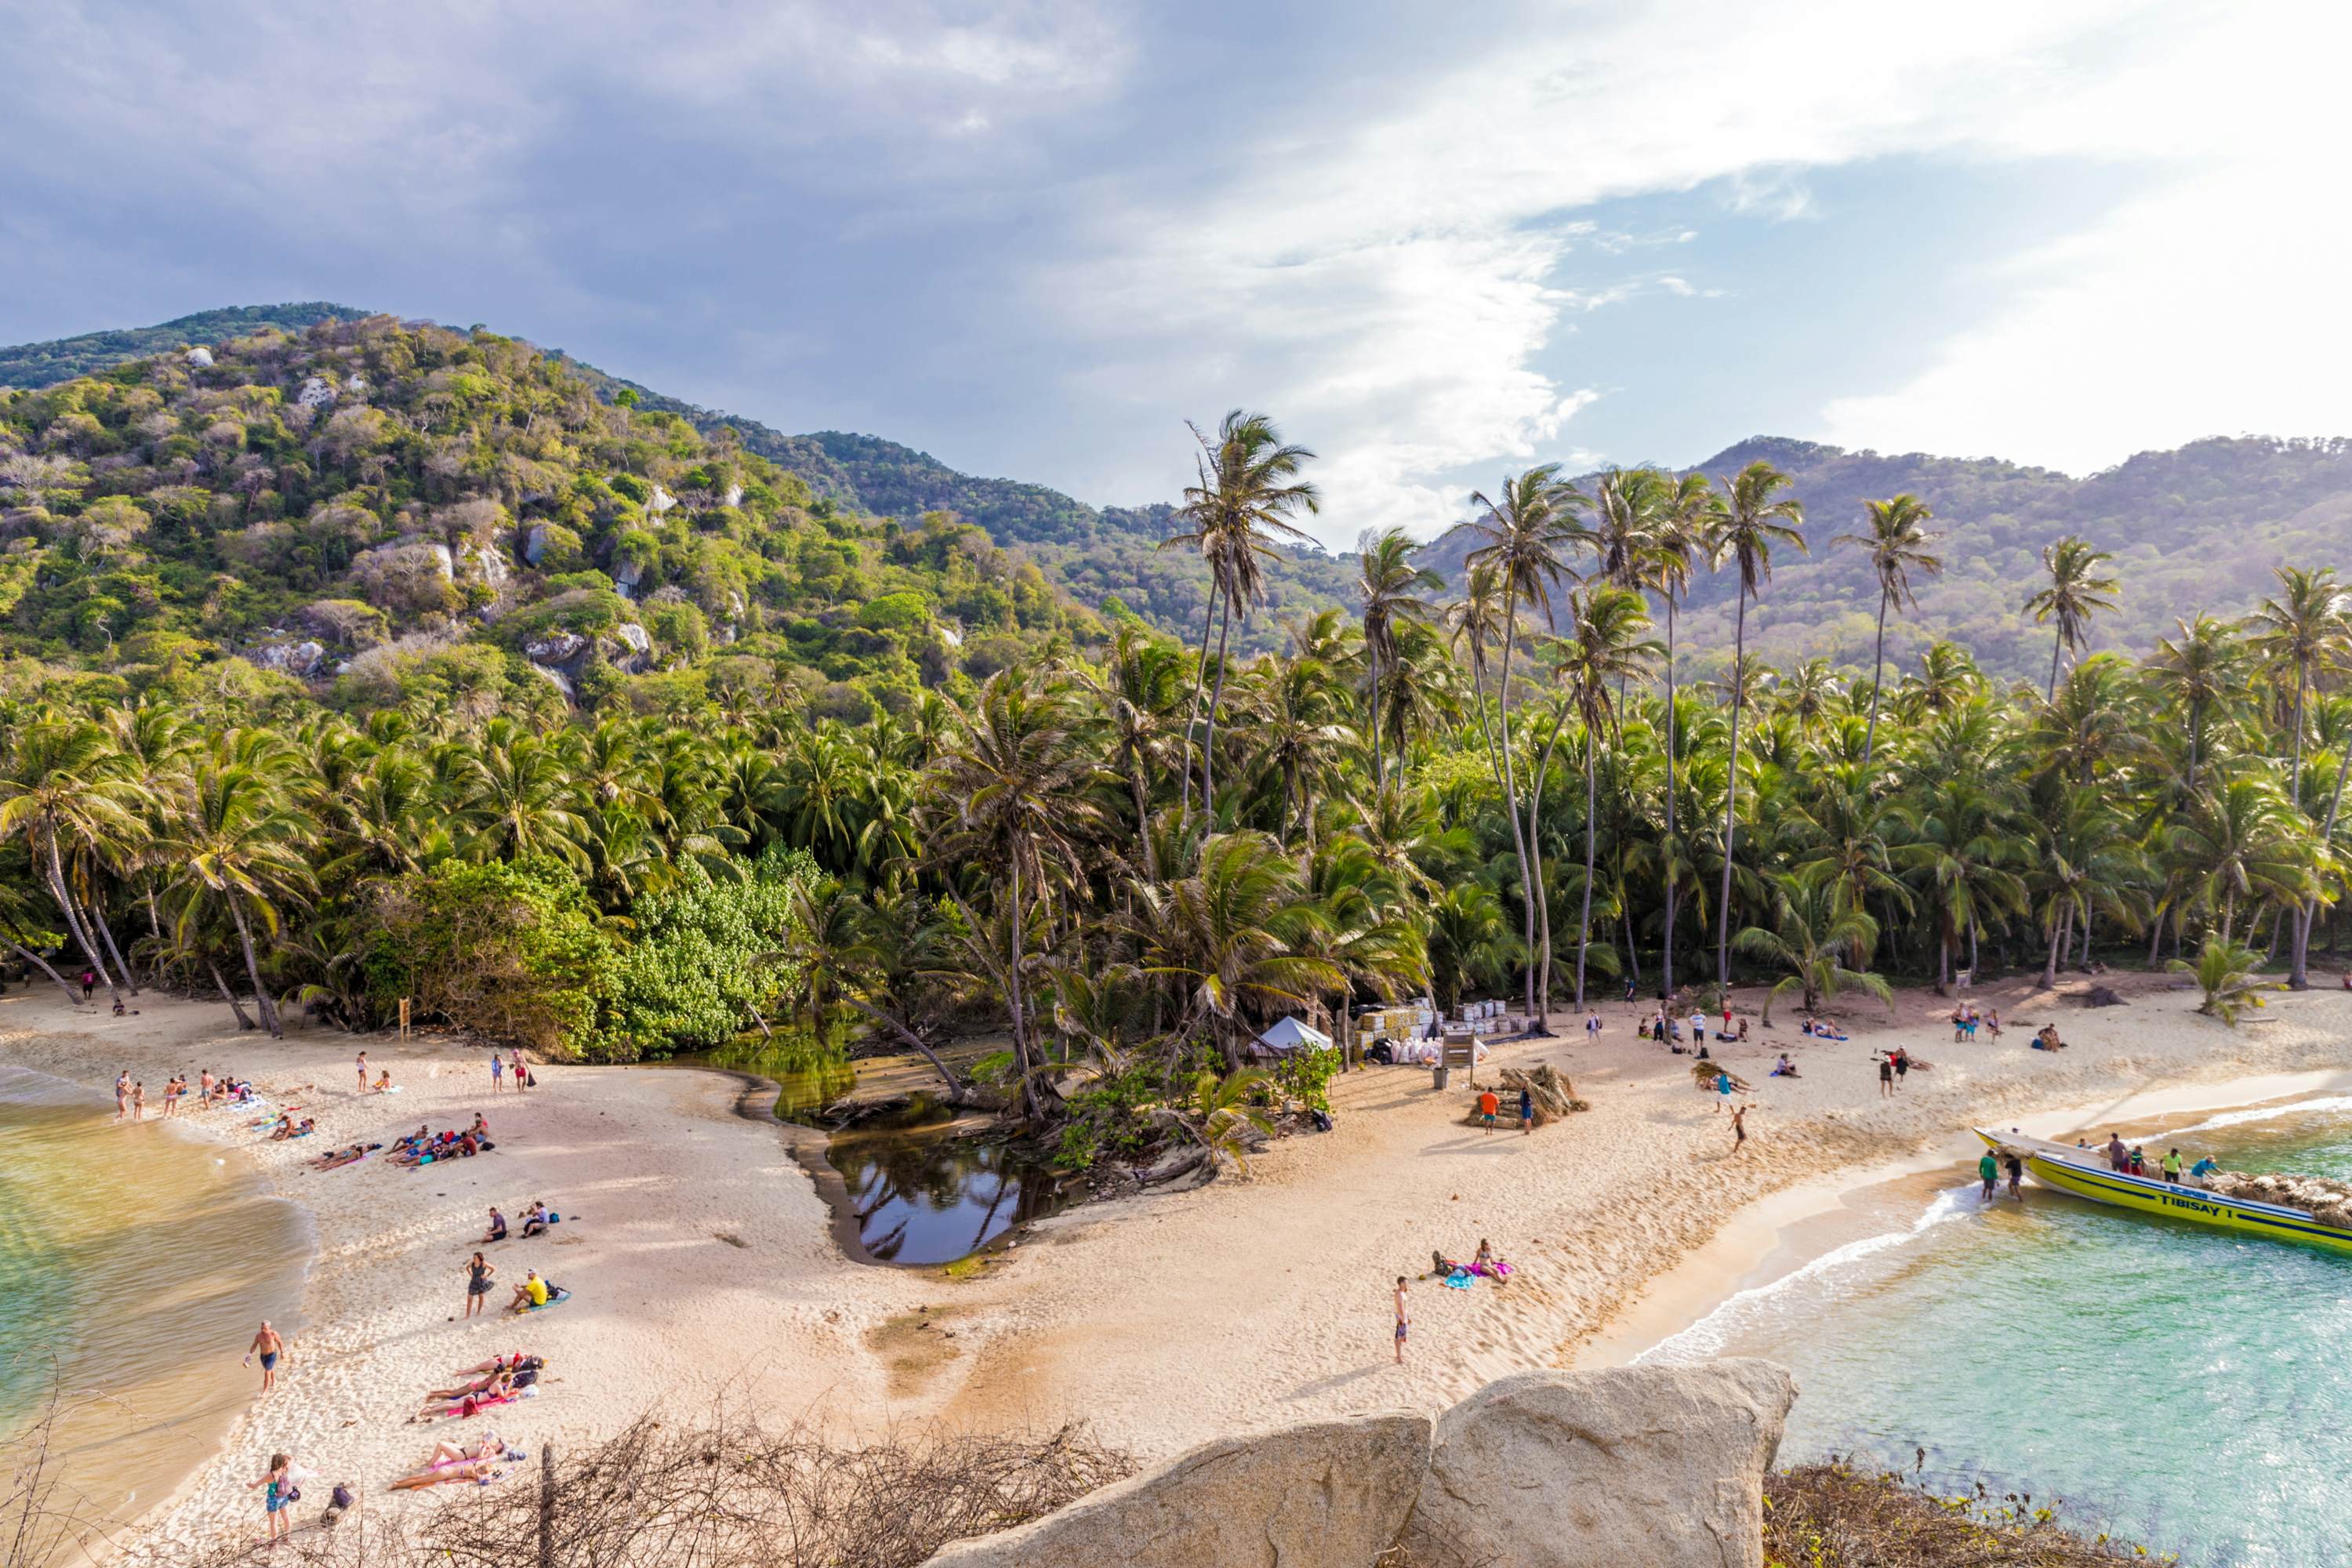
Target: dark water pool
919,1185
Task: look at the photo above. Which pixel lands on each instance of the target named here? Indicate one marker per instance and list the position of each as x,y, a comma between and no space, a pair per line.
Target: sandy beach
703,1261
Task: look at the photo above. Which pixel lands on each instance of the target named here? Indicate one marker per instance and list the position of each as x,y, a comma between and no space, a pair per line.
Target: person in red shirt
1487,1106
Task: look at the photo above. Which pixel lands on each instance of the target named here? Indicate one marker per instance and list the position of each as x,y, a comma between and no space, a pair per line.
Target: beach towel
1459,1279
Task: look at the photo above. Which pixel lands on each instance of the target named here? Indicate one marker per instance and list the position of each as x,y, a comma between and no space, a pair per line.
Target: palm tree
1966,855
1236,936
2229,974
2239,842
1897,545
1390,586
1523,536
240,842
1811,932
1754,518
1681,525
1247,492
2195,668
1013,796
2078,591
2307,623
65,787
1137,689
1468,942
1606,642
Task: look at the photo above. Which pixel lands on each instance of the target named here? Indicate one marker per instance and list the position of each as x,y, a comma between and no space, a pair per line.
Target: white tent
1288,1036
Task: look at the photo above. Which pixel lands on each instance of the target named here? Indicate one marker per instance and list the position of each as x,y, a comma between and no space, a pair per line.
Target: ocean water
135,1264
2180,1387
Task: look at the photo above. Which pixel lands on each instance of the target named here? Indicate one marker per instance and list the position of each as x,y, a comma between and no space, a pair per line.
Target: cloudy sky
1435,242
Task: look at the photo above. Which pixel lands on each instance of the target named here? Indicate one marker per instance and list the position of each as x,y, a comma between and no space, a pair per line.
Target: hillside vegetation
390,511
2199,529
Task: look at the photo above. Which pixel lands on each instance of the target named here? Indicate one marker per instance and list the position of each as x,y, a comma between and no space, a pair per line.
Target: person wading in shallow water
268,1344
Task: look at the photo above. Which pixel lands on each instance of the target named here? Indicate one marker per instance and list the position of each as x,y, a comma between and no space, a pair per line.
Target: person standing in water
122,1094
1402,1322
2016,1177
139,1100
1989,1172
268,1344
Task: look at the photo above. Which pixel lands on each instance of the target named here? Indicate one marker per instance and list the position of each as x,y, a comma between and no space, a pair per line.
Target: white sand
1162,1321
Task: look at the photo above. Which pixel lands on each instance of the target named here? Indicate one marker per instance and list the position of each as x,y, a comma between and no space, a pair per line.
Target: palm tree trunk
1877,667
1732,802
73,922
227,995
1666,849
2056,647
29,956
261,1002
2300,979
2196,740
2057,938
1192,715
1209,740
1372,657
1013,911
1584,921
1143,814
1508,778
106,934
1541,1025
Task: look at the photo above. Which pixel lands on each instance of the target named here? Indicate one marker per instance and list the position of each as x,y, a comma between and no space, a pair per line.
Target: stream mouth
912,1183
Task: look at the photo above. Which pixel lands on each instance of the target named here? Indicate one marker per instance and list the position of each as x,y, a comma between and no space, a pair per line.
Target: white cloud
1386,288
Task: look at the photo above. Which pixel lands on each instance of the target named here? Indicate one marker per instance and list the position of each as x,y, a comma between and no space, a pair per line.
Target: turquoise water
2180,1387
135,1263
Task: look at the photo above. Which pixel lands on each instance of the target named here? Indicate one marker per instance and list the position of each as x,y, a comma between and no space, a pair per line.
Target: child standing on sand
363,1065
1402,1322
498,1073
278,1496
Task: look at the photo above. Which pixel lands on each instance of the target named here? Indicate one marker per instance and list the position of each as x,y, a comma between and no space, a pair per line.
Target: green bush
700,960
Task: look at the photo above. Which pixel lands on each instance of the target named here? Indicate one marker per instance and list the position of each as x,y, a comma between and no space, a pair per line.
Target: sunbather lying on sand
521,1374
499,1388
476,1461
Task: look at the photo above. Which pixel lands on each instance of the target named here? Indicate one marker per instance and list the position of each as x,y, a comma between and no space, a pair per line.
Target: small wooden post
546,1503
404,1017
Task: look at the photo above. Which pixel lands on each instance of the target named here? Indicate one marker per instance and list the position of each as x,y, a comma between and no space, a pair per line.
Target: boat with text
2283,1207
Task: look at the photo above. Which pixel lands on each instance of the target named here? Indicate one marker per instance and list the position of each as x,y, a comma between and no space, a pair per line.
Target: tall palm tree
1606,642
2239,841
1391,587
65,788
1522,538
2307,623
2078,591
1754,518
1897,545
2194,668
1681,527
1013,796
1248,490
238,841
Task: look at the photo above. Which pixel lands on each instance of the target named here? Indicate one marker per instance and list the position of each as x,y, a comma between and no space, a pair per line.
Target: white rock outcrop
1661,1465
1329,1492
1644,1467
200,356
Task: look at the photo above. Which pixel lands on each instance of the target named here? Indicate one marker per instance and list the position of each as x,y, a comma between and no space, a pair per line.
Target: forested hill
35,365
1096,554
388,514
2197,529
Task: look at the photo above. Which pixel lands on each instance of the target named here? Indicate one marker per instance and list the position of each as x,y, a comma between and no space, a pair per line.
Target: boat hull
2192,1204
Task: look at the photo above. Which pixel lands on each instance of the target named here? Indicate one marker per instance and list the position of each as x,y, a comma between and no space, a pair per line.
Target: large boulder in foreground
1328,1494
1634,1466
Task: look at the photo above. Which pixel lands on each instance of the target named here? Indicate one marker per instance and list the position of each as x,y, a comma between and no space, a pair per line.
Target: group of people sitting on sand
1484,1265
423,1147
1822,1029
2048,1040
535,1221
1966,1020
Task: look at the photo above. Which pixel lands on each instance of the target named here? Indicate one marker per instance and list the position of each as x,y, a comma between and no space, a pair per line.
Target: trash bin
1438,1076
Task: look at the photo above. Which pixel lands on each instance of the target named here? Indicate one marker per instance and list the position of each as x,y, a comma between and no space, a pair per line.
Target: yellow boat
2085,1173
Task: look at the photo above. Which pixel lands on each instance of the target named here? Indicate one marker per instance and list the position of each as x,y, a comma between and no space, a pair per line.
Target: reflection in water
922,1195
921,1188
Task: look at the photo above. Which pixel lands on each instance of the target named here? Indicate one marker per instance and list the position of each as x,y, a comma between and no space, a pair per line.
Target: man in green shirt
2172,1167
1989,1169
